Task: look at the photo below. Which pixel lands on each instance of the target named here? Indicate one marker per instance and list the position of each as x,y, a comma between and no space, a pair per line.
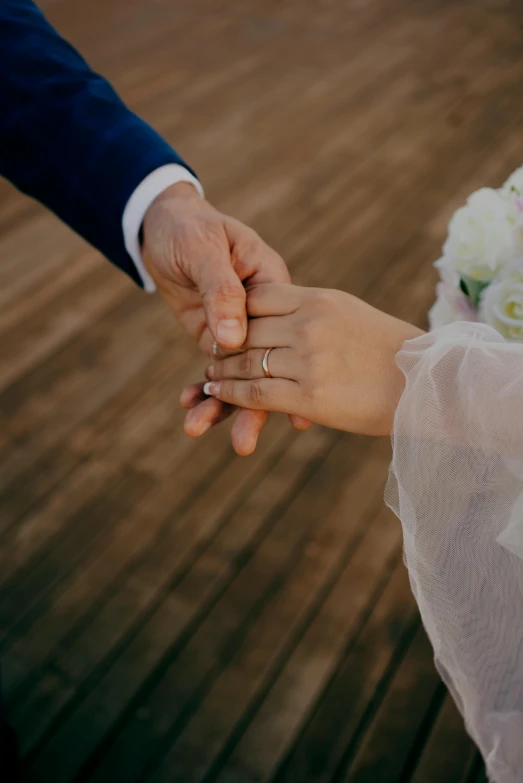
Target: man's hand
200,261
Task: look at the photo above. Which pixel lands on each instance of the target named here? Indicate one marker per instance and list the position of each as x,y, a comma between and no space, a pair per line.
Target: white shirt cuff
140,201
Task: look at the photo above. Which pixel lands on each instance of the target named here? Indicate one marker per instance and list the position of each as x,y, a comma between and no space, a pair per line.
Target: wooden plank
266,641
397,223
214,637
316,756
19,309
91,527
293,696
56,244
449,753
392,733
156,513
122,426
146,586
58,400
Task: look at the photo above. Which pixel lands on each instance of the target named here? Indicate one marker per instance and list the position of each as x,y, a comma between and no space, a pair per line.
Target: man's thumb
224,301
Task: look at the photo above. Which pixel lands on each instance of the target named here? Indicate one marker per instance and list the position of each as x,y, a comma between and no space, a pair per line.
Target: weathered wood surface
170,612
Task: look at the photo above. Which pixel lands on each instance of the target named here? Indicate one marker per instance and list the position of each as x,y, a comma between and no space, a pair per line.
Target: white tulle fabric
456,483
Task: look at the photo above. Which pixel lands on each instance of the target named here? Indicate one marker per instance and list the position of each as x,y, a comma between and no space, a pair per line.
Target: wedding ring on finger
265,363
253,364
215,349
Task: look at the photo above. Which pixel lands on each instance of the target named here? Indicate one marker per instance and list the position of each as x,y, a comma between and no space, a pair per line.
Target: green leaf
472,288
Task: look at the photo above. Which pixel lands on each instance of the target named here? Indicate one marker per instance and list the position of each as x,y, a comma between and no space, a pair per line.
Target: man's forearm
66,138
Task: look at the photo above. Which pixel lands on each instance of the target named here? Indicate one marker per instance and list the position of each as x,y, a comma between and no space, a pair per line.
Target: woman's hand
332,359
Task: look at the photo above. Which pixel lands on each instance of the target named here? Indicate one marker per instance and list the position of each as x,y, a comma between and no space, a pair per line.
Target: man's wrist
150,189
180,190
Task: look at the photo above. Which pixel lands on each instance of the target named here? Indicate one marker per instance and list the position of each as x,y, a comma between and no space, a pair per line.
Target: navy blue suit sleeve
66,139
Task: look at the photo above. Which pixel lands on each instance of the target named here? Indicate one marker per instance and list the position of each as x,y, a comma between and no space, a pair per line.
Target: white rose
514,184
502,304
482,235
512,192
447,272
450,306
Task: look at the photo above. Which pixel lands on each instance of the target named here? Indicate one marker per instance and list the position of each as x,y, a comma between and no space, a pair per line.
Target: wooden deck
170,612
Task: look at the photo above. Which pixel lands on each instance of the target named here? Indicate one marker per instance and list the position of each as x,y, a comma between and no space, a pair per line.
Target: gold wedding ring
265,363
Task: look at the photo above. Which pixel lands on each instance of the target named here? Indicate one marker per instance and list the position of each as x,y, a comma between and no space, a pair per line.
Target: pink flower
466,309
450,307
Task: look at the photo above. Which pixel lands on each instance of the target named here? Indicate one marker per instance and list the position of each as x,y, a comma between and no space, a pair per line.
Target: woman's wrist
402,333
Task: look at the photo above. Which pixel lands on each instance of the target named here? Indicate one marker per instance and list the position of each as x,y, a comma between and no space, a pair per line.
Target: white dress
456,483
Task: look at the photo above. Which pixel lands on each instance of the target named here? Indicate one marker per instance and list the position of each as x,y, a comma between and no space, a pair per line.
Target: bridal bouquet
481,270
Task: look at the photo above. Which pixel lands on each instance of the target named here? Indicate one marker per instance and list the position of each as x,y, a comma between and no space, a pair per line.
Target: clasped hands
333,356
332,360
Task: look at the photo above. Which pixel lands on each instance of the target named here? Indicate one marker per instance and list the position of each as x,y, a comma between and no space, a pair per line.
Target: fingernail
230,332
210,371
211,389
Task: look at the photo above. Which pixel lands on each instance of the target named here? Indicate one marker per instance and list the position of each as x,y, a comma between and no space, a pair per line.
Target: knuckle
250,242
255,393
228,289
321,304
250,235
310,333
229,391
246,363
280,271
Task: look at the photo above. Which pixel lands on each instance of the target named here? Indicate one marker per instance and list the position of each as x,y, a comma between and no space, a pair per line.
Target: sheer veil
456,483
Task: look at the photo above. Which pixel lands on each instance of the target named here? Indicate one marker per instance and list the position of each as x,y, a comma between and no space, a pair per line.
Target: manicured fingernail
211,389
210,371
229,332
